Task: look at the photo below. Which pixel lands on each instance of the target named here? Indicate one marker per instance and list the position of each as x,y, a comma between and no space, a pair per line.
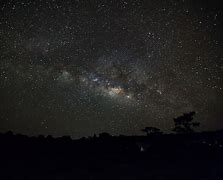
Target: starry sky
83,67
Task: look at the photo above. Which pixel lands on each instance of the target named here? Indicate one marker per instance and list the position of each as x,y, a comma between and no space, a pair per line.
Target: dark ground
191,156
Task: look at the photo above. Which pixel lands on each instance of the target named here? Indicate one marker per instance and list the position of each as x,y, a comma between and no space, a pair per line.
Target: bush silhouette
151,130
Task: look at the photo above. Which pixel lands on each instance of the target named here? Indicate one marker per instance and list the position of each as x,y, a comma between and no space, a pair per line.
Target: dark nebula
83,67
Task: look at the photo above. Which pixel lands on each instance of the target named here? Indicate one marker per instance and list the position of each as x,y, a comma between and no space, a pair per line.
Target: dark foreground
192,156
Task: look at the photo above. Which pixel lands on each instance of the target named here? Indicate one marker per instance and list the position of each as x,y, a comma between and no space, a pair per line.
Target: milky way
80,68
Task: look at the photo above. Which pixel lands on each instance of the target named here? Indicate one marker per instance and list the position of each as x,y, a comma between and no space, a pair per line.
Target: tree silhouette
184,124
104,135
151,130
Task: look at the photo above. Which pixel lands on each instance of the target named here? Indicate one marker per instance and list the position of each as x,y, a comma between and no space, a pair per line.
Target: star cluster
78,68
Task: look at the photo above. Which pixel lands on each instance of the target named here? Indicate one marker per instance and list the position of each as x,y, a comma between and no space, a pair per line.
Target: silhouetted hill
156,156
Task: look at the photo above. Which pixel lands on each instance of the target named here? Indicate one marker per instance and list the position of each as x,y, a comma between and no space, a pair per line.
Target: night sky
83,67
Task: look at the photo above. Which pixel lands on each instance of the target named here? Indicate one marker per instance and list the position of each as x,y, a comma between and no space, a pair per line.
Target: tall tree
184,123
